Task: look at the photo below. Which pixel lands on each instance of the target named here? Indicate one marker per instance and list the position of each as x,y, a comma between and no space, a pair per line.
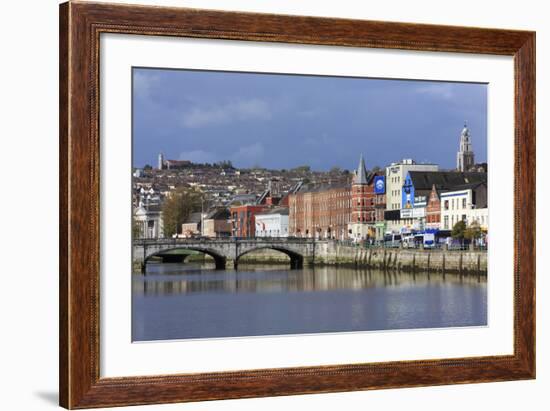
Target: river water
179,301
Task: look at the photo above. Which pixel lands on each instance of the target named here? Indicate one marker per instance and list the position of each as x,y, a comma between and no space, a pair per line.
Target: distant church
465,156
164,164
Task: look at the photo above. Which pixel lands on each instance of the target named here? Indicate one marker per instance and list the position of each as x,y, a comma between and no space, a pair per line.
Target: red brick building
321,212
363,212
433,209
338,212
362,196
243,219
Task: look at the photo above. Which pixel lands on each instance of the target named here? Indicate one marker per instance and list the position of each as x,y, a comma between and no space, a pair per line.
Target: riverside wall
331,253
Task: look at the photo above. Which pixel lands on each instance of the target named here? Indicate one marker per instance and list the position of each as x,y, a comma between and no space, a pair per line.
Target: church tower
160,164
465,155
359,194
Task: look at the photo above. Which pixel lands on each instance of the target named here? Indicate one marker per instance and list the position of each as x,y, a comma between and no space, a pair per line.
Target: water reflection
169,279
176,301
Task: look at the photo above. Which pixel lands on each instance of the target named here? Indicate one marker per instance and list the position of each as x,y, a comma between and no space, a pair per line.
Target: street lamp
202,216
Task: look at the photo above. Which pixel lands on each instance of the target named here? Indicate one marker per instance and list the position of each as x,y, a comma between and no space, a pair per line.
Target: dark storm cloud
282,121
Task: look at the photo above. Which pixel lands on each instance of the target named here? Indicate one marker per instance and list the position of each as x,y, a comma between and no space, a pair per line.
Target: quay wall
401,259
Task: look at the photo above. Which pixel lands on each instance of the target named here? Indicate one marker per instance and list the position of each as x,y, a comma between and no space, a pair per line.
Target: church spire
361,173
465,154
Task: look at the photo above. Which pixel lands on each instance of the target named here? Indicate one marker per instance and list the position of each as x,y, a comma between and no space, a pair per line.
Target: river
182,301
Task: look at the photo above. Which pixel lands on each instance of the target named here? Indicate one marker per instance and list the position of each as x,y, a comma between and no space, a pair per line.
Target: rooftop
444,180
275,210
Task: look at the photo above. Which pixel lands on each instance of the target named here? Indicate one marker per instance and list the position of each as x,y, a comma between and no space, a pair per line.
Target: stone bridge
224,250
314,251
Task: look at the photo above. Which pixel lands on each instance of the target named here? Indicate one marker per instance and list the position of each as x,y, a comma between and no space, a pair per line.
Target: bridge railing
206,240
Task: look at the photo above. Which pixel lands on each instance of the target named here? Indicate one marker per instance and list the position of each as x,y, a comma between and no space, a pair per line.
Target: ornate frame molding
81,24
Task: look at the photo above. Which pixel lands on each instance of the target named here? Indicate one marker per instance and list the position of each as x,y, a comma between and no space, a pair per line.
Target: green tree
473,232
177,208
458,230
147,167
335,170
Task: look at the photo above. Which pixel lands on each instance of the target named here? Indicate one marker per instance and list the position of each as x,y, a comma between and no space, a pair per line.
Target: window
446,204
464,203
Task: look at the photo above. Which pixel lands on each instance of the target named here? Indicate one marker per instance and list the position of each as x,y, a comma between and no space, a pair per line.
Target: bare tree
177,208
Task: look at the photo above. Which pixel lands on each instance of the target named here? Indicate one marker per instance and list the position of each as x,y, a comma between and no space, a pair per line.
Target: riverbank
390,259
396,259
407,259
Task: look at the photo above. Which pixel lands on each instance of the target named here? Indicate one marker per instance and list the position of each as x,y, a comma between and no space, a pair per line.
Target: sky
284,121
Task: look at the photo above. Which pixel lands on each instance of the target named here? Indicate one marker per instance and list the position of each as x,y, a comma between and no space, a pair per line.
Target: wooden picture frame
80,27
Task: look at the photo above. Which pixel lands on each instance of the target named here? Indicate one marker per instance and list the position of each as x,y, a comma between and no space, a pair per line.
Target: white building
481,216
272,223
468,204
149,221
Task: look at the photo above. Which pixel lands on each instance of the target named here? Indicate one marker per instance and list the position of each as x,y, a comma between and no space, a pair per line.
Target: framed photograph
258,205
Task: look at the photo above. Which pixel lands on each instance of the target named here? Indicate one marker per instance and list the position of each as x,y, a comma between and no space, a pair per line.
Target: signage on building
413,212
379,184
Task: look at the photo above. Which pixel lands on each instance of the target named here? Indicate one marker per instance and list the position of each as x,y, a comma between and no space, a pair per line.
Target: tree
473,232
302,169
335,170
177,208
257,167
459,229
224,164
147,167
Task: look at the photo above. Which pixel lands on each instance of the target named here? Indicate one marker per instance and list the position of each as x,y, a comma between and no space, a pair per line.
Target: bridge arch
219,260
225,249
296,259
